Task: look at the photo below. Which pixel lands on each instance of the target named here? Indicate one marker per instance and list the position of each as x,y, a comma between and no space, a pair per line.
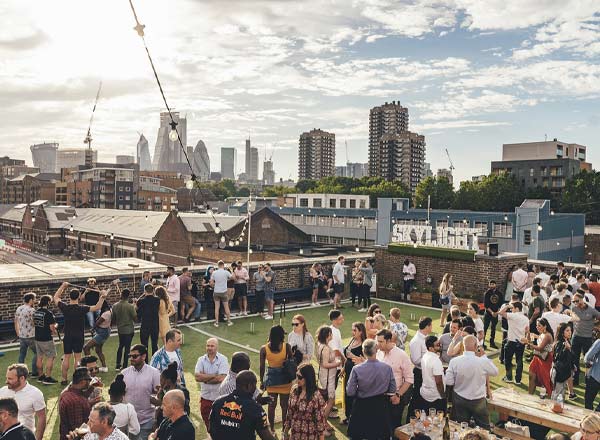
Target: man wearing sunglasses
142,381
582,331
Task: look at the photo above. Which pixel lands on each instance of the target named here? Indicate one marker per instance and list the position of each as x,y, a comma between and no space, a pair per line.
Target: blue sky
473,73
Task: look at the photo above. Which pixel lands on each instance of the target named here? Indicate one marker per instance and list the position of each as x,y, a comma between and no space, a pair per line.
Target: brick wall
592,244
469,277
290,274
213,255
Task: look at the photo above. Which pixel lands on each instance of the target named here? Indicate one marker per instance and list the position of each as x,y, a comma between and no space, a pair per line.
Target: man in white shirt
518,324
30,400
467,375
409,271
218,280
554,316
211,369
573,278
338,274
589,298
433,391
540,272
172,285
519,280
560,292
417,350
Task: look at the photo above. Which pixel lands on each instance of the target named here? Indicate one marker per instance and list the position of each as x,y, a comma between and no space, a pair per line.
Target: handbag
324,391
290,366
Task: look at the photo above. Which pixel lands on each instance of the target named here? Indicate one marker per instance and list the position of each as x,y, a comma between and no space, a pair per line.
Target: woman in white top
301,339
126,417
327,368
473,311
446,297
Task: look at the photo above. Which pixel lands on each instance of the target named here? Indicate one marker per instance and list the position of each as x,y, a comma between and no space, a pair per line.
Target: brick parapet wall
470,278
290,274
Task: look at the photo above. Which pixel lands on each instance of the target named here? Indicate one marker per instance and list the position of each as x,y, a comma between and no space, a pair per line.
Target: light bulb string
224,234
140,30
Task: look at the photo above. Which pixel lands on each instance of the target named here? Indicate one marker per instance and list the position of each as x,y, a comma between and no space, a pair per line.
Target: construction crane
88,138
450,160
347,161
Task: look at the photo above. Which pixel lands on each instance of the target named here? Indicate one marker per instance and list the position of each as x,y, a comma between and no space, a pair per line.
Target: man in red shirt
594,287
73,405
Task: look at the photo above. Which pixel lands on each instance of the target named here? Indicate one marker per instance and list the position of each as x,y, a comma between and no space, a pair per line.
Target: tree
275,191
384,188
438,189
304,186
582,194
496,192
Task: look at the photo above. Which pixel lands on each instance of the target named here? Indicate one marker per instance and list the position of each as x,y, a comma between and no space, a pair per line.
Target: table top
405,432
528,407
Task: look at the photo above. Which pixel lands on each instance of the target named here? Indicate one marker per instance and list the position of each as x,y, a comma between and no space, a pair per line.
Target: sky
474,74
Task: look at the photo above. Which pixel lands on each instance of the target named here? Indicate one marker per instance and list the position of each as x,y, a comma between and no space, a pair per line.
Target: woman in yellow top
274,353
165,310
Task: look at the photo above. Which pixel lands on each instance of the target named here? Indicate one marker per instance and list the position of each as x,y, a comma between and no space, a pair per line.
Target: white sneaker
314,305
330,301
229,323
103,369
362,310
268,317
245,313
216,324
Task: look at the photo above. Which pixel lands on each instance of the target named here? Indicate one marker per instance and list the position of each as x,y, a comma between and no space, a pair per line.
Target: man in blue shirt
592,381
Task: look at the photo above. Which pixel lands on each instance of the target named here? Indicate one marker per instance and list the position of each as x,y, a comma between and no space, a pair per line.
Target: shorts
241,289
338,287
270,295
72,344
45,348
101,335
188,300
220,296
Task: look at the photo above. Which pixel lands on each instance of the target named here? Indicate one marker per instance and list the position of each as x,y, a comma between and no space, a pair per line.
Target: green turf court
239,337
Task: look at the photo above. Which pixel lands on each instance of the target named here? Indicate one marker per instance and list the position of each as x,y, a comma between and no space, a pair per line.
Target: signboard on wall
447,237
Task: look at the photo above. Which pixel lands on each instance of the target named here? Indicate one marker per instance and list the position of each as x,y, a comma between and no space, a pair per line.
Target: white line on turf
227,341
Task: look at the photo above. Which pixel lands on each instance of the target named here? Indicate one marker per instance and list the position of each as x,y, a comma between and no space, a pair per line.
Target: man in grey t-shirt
584,321
218,280
448,339
259,288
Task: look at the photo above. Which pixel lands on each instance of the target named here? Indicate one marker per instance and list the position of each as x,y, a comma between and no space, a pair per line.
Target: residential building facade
316,155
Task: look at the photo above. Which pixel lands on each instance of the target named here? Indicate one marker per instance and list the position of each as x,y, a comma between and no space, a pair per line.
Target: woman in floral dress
305,418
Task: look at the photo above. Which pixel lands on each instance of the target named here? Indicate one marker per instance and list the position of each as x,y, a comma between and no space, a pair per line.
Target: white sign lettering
448,237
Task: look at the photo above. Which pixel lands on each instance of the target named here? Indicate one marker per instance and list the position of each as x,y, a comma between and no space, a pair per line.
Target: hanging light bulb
552,212
505,218
237,242
189,184
71,228
539,227
201,248
32,219
357,249
250,251
230,243
112,236
301,251
217,230
222,239
173,133
155,243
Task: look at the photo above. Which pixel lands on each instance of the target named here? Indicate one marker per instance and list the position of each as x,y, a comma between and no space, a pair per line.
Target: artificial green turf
241,333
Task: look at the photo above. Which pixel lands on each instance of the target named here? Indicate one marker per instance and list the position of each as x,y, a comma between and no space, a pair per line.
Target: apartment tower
316,155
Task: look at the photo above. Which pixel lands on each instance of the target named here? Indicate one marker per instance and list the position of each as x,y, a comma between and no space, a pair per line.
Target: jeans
146,333
408,284
591,391
124,347
517,349
92,317
355,292
414,401
579,345
198,309
24,344
487,320
396,411
145,430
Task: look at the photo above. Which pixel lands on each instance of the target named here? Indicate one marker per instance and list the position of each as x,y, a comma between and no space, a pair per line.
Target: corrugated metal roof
59,216
14,215
533,203
136,225
592,230
206,222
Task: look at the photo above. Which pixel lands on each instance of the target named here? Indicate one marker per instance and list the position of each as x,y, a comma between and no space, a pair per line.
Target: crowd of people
386,379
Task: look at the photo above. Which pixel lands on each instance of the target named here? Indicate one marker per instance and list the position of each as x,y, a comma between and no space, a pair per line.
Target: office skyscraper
316,155
228,165
201,162
251,162
73,157
143,154
268,173
168,155
44,157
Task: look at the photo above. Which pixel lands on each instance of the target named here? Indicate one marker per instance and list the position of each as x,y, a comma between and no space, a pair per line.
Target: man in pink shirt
172,286
402,369
240,285
519,280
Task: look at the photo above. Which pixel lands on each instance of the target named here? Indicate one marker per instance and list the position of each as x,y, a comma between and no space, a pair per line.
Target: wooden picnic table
405,432
510,403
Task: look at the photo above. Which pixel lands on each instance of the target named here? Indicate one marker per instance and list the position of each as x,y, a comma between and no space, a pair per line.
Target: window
304,203
120,188
527,237
441,224
121,198
317,203
363,204
336,240
324,221
530,172
342,203
502,230
482,226
352,203
128,188
321,239
332,203
311,219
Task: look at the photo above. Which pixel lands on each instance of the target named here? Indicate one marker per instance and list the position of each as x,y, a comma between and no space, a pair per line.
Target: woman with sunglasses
305,418
301,341
353,353
589,428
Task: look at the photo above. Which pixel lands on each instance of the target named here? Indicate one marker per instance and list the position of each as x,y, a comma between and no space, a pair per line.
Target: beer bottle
446,431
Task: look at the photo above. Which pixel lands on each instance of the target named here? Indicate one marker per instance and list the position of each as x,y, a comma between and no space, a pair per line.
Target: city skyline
475,75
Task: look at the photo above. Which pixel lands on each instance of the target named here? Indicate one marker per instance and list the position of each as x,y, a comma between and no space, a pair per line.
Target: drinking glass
432,413
464,426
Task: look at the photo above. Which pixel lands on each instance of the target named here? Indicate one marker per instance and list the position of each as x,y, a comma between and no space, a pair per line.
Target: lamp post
250,210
